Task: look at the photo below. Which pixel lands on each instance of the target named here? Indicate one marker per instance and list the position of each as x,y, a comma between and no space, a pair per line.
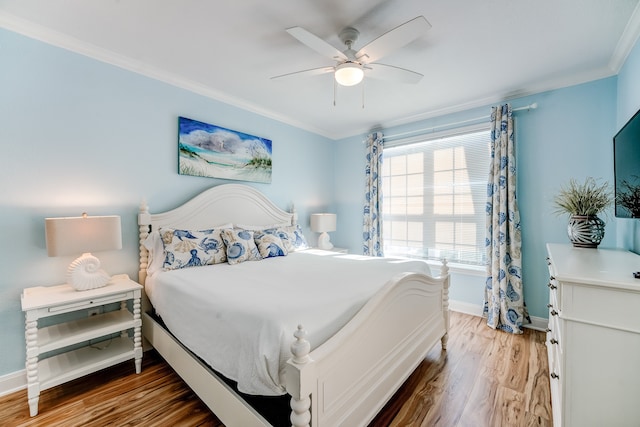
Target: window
434,196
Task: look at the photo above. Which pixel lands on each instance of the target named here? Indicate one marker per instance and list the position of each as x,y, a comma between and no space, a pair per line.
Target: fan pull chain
335,91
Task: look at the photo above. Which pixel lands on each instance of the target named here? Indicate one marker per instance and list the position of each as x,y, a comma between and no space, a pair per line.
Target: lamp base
324,242
84,273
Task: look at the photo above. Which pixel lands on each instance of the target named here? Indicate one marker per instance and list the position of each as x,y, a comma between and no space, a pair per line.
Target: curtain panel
372,229
504,305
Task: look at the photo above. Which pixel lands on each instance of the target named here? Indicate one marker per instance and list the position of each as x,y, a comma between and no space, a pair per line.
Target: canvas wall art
215,152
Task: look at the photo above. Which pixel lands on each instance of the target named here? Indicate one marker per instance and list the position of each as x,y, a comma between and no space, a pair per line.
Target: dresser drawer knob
554,313
554,375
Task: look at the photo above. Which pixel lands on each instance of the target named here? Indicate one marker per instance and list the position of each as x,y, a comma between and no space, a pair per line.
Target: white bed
362,345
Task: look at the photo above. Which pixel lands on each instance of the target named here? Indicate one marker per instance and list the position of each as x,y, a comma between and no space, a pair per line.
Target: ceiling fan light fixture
349,74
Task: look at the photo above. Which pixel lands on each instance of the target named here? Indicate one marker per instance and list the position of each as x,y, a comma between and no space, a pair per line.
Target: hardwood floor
485,378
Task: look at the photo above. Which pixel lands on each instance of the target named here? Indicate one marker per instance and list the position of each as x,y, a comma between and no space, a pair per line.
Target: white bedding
240,318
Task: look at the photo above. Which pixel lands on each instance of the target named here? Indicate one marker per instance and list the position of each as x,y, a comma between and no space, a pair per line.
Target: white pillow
155,249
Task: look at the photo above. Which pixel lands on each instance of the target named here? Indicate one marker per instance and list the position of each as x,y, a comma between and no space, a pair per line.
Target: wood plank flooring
485,378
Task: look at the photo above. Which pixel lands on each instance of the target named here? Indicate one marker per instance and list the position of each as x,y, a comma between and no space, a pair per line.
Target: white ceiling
477,51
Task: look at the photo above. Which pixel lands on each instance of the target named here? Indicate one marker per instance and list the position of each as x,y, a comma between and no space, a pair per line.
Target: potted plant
628,196
583,202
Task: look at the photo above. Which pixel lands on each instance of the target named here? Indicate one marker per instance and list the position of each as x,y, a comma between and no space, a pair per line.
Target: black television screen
626,162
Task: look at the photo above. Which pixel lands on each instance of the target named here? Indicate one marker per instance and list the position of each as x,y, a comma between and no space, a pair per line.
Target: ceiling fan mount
351,65
348,36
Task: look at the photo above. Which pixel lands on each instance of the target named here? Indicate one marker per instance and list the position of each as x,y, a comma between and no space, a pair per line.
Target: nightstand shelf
77,363
77,331
104,339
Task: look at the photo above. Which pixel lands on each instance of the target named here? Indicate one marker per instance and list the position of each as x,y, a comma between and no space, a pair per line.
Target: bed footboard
349,378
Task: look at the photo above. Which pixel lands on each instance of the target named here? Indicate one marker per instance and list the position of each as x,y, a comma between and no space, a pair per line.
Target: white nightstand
44,301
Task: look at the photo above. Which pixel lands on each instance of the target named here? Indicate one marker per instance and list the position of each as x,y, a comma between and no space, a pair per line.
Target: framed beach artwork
215,152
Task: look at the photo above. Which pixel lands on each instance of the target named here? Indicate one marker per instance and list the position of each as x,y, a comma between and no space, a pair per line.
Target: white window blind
434,195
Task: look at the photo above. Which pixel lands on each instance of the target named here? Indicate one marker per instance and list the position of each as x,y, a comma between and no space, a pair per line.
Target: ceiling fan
352,65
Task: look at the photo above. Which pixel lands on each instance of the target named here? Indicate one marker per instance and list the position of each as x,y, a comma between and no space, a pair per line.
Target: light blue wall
567,136
80,135
628,103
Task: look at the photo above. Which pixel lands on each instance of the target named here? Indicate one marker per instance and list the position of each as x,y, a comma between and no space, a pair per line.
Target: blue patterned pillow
240,246
192,248
291,236
269,245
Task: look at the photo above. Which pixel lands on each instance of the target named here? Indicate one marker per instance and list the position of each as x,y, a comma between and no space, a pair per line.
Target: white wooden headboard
223,204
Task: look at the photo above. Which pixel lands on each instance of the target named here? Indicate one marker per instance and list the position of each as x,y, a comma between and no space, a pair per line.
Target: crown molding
29,29
627,41
72,44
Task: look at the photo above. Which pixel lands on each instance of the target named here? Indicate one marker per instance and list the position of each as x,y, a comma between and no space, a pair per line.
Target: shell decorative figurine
84,273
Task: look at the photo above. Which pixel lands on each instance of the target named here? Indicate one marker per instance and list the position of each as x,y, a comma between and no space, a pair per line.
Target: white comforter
240,318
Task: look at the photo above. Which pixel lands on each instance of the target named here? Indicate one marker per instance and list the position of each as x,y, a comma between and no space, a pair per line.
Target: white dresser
593,340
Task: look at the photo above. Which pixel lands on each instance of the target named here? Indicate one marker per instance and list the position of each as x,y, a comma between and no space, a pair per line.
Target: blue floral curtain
504,305
372,232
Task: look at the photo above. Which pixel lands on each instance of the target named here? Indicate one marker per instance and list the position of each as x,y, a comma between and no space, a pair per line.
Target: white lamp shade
81,235
323,222
78,235
349,74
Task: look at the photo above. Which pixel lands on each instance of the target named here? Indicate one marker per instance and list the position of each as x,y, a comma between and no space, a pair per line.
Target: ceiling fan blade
316,43
393,39
305,73
391,73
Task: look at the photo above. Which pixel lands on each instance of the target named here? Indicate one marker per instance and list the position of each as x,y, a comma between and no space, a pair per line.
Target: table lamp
82,235
323,223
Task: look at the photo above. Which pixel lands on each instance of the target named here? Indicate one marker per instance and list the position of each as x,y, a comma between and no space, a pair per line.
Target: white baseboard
13,382
465,307
537,323
16,381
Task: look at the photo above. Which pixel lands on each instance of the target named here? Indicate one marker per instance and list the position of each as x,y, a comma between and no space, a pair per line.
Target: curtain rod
531,106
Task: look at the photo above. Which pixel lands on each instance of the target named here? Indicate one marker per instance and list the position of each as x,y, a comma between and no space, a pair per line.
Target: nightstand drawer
89,303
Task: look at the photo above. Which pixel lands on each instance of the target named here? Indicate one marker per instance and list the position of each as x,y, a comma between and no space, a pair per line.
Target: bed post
299,379
144,221
444,272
